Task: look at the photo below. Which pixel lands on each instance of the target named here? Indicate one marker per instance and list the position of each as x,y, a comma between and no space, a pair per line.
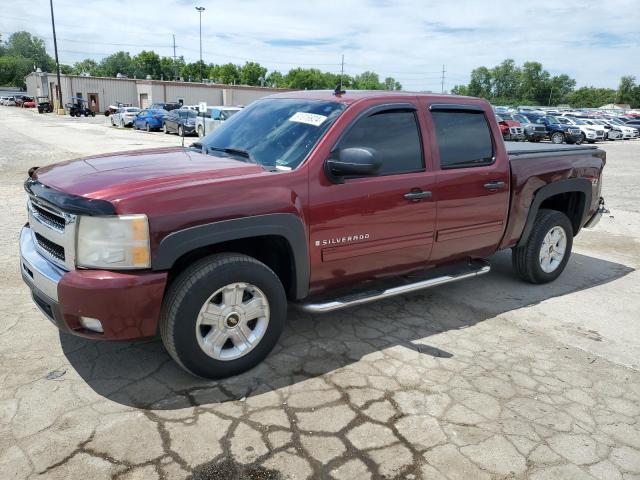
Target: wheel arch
571,197
278,240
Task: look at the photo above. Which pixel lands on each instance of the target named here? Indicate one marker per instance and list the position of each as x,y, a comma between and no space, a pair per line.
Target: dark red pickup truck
297,198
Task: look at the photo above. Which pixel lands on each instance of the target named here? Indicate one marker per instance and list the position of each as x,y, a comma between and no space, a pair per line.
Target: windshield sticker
308,118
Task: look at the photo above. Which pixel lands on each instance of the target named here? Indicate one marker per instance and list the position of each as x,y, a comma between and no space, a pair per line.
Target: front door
94,103
370,227
472,192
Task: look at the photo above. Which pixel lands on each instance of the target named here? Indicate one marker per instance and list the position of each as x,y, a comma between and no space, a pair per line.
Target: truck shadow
141,374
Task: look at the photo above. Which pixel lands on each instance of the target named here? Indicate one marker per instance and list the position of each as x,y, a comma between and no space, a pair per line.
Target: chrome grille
574,131
54,233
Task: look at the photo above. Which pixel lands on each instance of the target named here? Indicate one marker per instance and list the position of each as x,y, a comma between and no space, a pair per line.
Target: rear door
472,189
374,226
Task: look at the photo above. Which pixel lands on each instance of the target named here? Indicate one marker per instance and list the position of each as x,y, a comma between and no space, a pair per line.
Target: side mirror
355,161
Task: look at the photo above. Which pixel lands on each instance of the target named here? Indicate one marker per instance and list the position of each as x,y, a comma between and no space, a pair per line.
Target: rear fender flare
581,185
286,225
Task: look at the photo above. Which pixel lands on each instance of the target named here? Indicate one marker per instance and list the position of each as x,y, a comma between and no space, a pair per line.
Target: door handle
417,195
494,185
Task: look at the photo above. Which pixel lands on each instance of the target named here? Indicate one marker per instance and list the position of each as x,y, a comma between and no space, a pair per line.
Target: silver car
207,122
124,116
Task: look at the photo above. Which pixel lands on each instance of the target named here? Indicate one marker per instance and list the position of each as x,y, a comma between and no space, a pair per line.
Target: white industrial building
100,92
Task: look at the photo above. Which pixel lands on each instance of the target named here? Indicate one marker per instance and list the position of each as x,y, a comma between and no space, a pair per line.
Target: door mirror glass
354,161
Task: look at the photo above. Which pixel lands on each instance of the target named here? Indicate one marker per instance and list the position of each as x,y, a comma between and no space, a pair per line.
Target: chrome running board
473,269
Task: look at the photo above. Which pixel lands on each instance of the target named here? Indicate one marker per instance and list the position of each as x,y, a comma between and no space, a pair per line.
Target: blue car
150,119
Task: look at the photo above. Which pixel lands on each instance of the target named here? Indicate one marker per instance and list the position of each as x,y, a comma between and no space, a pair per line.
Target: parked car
613,131
628,132
124,116
180,121
556,131
208,121
533,132
633,123
150,119
44,105
510,129
20,101
10,101
300,196
590,133
165,106
111,109
3,99
29,103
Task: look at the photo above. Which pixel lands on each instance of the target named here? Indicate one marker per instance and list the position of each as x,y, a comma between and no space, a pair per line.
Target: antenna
339,90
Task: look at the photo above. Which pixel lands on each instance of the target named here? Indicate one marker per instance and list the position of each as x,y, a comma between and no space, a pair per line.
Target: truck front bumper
595,218
126,304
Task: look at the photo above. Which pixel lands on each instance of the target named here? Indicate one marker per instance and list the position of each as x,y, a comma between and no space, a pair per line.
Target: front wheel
223,315
557,138
164,129
545,254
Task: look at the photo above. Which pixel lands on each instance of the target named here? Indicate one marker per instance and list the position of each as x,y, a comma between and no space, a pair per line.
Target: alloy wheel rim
553,249
232,321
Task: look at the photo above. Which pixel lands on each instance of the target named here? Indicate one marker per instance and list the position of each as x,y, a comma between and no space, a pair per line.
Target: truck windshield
275,133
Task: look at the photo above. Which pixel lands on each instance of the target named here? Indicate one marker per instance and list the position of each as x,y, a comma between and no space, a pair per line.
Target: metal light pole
200,10
55,48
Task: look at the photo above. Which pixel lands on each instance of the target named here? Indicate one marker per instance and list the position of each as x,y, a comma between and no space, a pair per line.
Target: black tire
191,289
557,138
526,259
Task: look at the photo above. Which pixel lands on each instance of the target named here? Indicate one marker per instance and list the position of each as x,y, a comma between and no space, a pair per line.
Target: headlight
117,242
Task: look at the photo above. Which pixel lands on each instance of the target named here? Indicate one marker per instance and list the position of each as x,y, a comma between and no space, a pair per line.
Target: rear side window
394,138
464,139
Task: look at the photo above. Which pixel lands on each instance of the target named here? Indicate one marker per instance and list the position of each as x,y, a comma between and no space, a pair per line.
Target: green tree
460,90
305,79
170,69
251,73
505,80
119,62
367,81
626,89
88,65
23,44
191,71
13,70
230,74
275,79
147,63
390,83
591,97
481,83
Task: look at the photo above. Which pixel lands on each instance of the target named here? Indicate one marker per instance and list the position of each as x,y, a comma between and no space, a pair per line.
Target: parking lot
483,379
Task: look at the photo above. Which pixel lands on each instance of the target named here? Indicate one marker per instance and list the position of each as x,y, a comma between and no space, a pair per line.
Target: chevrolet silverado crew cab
319,200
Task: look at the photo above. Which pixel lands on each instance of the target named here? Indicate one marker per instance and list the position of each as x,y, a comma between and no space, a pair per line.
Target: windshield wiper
234,151
197,145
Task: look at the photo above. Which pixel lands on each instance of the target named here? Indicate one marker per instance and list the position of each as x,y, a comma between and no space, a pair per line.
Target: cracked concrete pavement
484,379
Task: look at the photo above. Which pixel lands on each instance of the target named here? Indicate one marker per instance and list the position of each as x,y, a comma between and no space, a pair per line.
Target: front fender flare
286,225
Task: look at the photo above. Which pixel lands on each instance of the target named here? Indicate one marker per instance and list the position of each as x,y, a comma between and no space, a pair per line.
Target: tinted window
394,138
464,139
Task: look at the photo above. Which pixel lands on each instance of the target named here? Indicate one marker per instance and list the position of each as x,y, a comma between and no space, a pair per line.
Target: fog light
92,324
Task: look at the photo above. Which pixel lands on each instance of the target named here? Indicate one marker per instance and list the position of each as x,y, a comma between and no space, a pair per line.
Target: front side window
393,137
463,137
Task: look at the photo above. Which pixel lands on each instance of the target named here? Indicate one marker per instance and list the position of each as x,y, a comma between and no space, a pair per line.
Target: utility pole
443,72
550,93
55,48
175,72
341,71
200,10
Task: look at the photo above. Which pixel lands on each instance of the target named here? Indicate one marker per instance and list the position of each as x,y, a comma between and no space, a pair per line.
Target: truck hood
114,176
511,123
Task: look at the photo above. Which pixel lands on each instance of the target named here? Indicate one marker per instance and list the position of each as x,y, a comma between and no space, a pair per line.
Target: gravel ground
488,378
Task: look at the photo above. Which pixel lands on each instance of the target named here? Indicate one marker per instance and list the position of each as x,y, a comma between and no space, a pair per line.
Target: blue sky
595,42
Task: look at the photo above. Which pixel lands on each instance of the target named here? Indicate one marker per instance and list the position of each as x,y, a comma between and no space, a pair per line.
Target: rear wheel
557,138
545,254
223,315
